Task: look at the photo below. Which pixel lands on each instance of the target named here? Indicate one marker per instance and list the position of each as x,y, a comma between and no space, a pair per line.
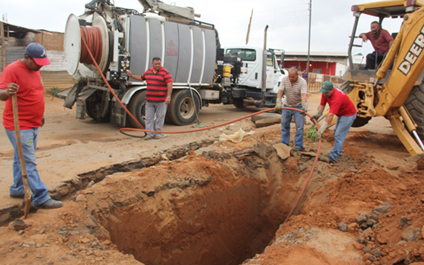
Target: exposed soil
192,200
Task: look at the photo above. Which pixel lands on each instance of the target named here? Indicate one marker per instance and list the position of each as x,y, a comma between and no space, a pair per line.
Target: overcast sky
288,21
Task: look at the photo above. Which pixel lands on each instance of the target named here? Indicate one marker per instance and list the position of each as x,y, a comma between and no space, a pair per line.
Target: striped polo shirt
157,84
293,92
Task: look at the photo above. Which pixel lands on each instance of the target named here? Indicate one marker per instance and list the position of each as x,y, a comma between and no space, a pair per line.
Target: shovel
27,198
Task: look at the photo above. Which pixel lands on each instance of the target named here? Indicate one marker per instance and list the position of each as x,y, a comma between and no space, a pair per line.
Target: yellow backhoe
395,89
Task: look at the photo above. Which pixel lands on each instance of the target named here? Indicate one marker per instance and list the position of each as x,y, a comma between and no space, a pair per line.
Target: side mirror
283,54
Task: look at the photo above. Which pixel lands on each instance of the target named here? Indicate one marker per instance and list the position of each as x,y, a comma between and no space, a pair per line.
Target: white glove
305,106
317,115
278,105
322,129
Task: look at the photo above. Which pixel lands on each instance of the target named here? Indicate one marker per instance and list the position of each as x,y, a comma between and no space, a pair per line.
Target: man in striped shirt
295,89
158,96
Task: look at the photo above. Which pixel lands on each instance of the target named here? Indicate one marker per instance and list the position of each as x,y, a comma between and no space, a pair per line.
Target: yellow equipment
396,89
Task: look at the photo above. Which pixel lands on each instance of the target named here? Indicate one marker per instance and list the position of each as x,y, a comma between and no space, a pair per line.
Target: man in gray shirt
296,90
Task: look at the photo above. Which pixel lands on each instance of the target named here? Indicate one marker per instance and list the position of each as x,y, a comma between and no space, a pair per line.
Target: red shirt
381,44
157,88
340,104
30,96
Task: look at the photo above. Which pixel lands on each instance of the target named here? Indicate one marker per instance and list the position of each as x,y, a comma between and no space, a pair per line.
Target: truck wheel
94,108
415,105
137,107
238,103
183,109
359,121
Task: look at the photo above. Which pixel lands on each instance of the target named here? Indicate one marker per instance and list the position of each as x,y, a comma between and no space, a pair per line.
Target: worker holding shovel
22,80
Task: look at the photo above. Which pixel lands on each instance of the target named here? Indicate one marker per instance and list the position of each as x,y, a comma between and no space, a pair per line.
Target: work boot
160,136
148,137
328,159
20,196
50,204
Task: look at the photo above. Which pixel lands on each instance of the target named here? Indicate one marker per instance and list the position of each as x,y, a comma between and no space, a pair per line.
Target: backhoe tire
359,121
183,109
415,105
137,107
94,108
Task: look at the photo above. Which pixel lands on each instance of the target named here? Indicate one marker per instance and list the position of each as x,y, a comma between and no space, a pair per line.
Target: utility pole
309,39
3,47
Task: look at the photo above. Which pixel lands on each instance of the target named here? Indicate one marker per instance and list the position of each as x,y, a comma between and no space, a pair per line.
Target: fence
315,81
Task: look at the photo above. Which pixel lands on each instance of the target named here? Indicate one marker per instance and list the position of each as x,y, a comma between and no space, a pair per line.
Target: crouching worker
341,106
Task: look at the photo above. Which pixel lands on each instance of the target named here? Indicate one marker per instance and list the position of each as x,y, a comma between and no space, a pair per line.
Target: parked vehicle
203,72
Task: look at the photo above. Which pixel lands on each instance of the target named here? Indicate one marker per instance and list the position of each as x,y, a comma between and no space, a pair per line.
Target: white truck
203,72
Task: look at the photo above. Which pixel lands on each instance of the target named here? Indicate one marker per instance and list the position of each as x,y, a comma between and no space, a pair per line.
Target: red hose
212,127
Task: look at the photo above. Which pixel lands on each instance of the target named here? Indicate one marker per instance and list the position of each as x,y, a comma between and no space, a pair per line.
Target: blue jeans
343,125
29,145
299,119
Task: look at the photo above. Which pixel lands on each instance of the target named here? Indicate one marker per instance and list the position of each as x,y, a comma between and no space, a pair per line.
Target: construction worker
23,78
295,89
158,96
381,40
341,106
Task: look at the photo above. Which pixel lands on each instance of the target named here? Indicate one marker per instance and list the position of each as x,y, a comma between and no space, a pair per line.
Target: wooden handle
27,199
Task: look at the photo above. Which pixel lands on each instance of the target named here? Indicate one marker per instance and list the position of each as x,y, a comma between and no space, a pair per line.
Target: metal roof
17,31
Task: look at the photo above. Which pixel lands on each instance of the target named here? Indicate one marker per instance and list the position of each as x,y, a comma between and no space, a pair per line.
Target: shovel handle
27,199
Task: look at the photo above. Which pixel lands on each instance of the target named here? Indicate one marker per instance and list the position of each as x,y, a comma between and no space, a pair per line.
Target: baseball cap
326,86
38,53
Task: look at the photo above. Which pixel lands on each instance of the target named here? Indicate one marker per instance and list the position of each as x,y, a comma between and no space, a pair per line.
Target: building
326,63
14,41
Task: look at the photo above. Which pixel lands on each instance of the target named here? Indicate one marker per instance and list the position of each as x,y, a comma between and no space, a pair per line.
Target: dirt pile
374,211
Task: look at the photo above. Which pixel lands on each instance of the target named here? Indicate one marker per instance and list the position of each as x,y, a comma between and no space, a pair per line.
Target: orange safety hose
212,127
93,40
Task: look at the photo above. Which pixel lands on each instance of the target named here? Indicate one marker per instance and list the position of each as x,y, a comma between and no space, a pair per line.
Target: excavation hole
200,210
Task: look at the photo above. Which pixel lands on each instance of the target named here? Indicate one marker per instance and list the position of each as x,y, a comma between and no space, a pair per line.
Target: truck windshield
244,54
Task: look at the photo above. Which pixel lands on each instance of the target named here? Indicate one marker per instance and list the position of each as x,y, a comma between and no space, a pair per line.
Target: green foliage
312,133
53,91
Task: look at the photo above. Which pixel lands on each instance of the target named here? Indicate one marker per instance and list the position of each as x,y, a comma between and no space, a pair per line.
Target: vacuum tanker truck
203,72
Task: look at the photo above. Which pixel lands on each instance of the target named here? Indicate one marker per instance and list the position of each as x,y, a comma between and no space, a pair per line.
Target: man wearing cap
296,90
341,106
23,78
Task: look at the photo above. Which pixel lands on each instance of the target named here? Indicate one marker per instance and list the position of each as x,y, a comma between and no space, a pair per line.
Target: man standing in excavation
23,78
341,106
158,96
296,90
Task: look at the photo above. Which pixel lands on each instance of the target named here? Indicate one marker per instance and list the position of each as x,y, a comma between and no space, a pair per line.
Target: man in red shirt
158,96
23,78
341,106
381,40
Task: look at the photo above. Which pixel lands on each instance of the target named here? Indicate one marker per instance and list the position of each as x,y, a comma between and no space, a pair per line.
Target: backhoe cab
395,88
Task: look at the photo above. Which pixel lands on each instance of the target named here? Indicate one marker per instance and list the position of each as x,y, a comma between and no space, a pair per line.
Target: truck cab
251,71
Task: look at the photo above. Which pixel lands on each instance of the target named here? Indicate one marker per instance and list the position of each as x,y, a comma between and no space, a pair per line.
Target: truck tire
415,105
359,121
183,109
238,103
94,108
137,107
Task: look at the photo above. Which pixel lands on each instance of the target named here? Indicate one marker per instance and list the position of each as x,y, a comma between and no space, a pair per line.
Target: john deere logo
413,53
